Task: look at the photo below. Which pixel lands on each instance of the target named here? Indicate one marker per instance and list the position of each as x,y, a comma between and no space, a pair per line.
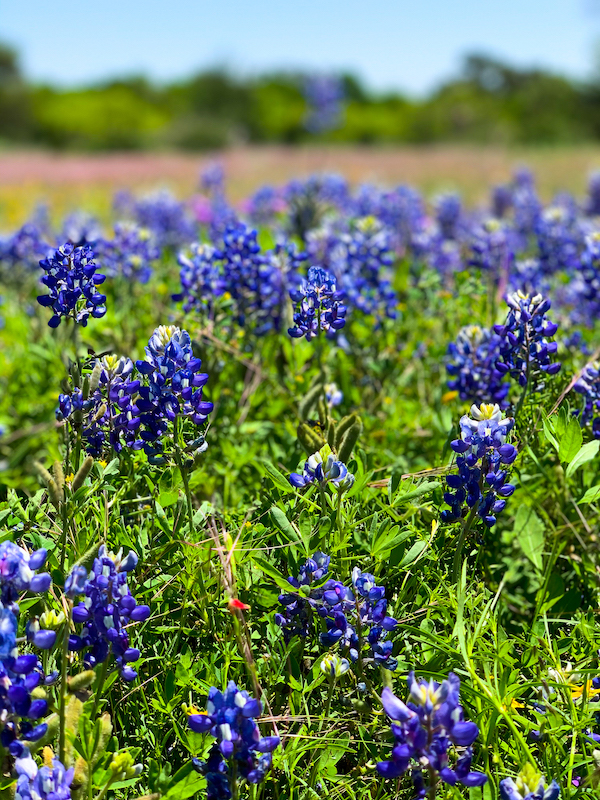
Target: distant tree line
489,102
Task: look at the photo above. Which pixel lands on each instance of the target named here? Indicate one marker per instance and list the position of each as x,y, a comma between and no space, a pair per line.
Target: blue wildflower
483,454
324,95
588,385
471,364
530,785
324,468
318,306
106,611
525,351
50,782
230,719
130,254
424,728
72,279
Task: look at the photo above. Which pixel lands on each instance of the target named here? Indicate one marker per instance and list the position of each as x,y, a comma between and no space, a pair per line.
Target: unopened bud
81,681
82,473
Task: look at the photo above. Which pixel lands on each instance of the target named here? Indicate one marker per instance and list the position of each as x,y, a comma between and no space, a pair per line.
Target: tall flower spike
483,454
106,611
471,364
423,728
72,279
525,351
318,306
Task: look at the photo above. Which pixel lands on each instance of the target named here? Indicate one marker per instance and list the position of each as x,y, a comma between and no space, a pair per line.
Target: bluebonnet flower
230,719
324,95
201,277
216,773
558,240
49,782
483,453
588,385
106,611
166,217
502,200
592,204
587,299
19,573
530,785
21,713
471,364
353,617
72,279
212,178
81,228
333,395
402,211
318,306
363,262
525,351
492,248
424,728
22,252
108,417
334,666
296,617
448,210
174,386
324,468
263,206
130,254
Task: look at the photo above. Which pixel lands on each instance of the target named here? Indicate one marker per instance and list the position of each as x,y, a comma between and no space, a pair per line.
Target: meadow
299,481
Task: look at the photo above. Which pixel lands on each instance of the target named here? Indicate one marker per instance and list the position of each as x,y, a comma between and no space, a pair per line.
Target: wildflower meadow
300,496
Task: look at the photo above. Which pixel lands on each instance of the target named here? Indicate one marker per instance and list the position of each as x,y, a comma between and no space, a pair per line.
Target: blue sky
409,45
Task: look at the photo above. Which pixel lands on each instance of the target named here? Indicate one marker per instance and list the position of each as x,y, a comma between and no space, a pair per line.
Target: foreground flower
230,719
72,279
423,729
50,782
530,785
481,483
324,468
106,611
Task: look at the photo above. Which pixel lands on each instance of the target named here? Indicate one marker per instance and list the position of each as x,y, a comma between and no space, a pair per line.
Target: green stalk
63,684
456,564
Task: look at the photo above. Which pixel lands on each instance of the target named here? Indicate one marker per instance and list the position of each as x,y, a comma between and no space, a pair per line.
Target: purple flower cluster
231,719
324,471
49,782
318,306
355,619
130,254
107,610
530,785
588,386
237,272
525,351
424,728
20,713
72,279
471,364
481,483
135,407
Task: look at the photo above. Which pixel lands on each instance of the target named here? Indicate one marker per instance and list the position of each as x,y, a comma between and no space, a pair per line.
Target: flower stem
63,683
456,565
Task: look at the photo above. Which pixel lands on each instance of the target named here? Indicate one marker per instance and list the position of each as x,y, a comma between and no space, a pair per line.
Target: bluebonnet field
300,498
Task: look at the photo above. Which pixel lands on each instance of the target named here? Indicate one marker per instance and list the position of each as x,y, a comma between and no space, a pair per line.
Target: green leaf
277,477
529,532
413,554
424,488
585,454
570,442
269,570
549,432
185,783
282,522
592,494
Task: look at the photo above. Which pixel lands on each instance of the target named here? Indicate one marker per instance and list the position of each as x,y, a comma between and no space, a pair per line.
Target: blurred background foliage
488,102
